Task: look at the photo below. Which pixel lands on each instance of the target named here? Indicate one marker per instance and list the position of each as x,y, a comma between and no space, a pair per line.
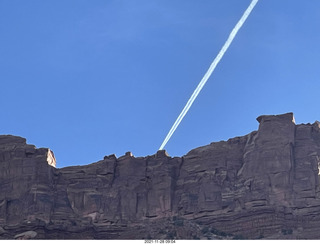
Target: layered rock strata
262,185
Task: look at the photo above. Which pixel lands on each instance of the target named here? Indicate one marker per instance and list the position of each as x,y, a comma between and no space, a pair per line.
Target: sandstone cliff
262,185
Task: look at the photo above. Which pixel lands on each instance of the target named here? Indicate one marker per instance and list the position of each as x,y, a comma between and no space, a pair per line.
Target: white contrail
209,72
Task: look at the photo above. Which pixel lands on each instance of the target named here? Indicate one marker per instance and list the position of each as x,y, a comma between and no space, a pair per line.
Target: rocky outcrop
262,185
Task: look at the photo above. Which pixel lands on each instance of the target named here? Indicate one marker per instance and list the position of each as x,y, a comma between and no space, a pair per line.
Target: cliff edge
262,185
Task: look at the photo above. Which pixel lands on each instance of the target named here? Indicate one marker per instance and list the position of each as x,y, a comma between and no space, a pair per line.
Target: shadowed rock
261,185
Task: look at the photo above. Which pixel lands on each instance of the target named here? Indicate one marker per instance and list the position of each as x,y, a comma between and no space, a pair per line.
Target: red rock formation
262,185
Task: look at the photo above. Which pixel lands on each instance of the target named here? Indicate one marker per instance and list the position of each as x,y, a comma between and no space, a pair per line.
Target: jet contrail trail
209,72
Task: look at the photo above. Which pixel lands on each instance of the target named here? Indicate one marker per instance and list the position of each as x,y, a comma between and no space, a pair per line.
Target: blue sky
89,78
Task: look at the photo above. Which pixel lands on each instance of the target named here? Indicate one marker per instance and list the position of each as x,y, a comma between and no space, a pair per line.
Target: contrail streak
209,72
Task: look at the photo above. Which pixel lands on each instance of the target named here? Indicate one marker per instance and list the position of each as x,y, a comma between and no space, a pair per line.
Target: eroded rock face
262,185
25,181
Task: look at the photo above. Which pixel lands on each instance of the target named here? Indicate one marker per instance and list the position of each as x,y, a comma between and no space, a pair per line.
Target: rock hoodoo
261,185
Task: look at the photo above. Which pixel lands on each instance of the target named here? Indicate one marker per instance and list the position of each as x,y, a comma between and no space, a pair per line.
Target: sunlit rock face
261,185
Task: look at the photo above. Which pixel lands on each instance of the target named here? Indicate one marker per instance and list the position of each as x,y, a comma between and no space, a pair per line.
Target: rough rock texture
262,185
